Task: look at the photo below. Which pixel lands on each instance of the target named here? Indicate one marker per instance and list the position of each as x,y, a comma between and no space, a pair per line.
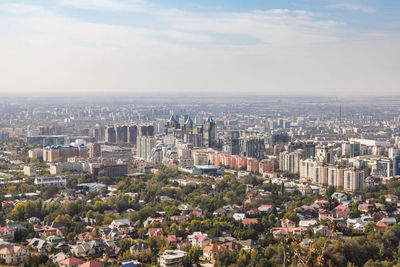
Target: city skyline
139,48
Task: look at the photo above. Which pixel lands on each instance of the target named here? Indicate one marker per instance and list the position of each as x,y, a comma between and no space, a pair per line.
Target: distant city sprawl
188,182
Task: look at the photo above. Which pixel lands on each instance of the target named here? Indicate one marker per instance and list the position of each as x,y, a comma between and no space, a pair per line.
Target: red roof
153,231
71,261
342,207
92,264
250,221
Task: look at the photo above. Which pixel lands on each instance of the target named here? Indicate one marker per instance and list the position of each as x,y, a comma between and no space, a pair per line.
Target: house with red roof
71,262
248,221
288,223
365,207
14,255
324,214
200,240
391,198
7,233
342,211
155,232
210,251
381,226
92,264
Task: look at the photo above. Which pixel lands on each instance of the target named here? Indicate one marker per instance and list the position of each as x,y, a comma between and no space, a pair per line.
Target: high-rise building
209,133
132,134
252,147
111,136
396,165
95,150
144,147
384,168
146,130
122,134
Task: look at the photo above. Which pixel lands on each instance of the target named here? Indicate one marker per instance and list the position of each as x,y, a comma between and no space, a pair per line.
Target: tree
329,191
225,257
125,244
194,256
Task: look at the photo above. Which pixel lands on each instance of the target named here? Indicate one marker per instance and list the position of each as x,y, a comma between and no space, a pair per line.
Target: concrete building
111,135
62,153
51,180
95,150
172,258
29,170
209,133
252,147
144,147
110,170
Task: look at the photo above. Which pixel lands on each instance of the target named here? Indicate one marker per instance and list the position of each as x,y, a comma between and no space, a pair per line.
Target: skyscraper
95,150
111,136
209,132
145,146
122,134
132,134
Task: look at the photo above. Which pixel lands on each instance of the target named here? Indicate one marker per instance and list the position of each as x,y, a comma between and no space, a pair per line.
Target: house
239,216
359,227
88,248
322,202
71,262
253,212
307,223
139,248
210,251
155,232
381,226
288,223
200,240
86,236
248,221
339,196
324,214
247,244
59,257
41,245
7,233
151,220
322,230
389,220
122,225
179,218
391,198
132,263
353,221
279,234
342,211
231,246
366,219
365,207
172,258
306,190
14,254
219,212
92,264
265,208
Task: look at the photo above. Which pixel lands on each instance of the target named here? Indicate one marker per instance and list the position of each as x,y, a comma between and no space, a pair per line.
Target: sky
338,48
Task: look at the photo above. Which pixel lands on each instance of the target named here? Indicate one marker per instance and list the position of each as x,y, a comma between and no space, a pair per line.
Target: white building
51,180
172,258
29,170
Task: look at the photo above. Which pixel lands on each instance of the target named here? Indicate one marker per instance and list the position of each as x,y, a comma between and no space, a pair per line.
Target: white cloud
106,5
270,52
354,7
